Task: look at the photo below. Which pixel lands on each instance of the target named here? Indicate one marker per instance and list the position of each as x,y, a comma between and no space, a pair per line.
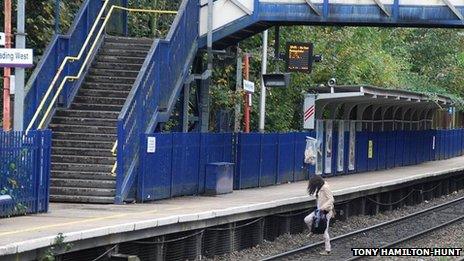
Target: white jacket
325,200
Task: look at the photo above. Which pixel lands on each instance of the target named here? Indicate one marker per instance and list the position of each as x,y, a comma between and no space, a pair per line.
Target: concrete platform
89,225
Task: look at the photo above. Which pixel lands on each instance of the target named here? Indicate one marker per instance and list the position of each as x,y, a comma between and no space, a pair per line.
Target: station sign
299,57
249,86
16,57
2,39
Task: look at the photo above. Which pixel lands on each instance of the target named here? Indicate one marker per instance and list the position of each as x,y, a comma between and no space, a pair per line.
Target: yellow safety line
83,221
73,58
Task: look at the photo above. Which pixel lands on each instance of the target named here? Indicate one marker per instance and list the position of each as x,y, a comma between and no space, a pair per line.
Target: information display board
299,57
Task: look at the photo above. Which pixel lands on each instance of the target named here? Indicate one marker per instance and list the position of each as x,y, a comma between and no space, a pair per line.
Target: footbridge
234,20
100,94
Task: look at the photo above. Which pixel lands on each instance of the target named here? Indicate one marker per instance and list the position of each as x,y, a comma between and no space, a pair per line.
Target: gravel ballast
287,242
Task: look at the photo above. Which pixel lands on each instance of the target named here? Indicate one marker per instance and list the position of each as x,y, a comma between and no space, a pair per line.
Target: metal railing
162,74
78,57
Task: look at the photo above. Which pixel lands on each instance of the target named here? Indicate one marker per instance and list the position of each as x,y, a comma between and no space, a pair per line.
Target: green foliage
424,60
58,246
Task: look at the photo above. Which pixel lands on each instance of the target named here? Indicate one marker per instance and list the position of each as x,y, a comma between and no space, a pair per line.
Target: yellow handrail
73,58
113,150
66,59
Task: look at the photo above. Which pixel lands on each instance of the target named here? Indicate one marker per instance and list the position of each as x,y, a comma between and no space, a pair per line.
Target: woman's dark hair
314,185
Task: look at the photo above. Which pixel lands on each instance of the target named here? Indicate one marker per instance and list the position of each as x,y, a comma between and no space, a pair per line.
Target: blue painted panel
361,151
158,169
447,149
334,151
399,148
300,144
346,151
373,162
462,141
269,154
286,157
248,160
185,164
25,171
382,150
215,147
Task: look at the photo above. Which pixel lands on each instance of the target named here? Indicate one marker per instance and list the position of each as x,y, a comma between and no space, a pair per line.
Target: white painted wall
225,11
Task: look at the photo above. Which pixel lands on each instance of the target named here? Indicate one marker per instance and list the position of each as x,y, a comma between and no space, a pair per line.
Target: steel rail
426,231
74,58
317,244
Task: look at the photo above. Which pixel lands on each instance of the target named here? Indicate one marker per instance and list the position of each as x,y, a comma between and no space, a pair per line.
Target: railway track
383,235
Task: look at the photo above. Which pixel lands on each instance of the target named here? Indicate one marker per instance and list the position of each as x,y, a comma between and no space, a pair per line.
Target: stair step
132,46
117,66
83,159
95,107
87,114
84,128
120,59
81,151
81,199
84,136
99,192
82,167
68,174
83,183
102,86
85,121
113,72
83,144
99,100
124,52
114,80
102,93
122,39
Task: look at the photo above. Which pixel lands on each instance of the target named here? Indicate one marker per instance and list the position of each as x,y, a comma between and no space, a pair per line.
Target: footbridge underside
235,20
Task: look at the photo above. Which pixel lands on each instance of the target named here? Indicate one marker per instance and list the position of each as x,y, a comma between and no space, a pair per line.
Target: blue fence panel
286,157
346,151
361,151
25,171
399,148
248,160
462,141
185,164
390,140
268,159
382,150
373,161
301,173
334,151
215,147
449,144
156,179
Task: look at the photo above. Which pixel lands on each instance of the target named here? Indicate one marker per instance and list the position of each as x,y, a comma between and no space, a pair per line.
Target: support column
18,121
205,83
185,107
262,100
238,91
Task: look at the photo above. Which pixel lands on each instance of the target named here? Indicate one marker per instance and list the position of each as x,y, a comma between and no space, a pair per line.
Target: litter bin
219,178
